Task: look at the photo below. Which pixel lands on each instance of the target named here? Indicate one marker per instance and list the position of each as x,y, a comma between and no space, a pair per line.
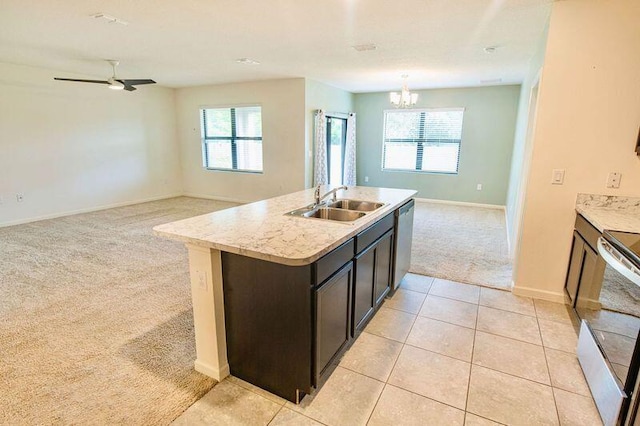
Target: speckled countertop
262,230
610,212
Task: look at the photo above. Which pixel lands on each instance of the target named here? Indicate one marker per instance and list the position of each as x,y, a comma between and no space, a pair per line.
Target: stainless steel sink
327,213
334,214
357,205
341,210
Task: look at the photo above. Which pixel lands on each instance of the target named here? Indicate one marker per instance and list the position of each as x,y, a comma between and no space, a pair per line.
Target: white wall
283,139
521,159
71,147
587,124
321,96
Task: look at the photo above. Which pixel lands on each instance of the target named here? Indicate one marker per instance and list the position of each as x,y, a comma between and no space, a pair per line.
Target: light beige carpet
460,243
95,318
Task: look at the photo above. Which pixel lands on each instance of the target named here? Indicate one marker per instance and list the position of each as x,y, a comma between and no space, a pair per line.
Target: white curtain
349,177
320,176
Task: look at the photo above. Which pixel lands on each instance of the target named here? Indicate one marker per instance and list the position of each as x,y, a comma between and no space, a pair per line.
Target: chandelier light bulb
404,99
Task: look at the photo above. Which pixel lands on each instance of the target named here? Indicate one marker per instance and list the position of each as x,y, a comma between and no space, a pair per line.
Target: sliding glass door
336,142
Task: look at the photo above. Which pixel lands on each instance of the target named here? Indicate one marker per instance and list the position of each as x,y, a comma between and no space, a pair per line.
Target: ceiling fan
114,82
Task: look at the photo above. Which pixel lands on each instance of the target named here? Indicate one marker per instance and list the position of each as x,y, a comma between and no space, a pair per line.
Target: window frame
232,138
421,141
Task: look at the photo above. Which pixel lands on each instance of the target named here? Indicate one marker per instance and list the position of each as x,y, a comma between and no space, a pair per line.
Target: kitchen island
281,295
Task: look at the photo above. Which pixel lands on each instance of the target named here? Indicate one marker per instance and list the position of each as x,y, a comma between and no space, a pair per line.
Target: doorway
336,143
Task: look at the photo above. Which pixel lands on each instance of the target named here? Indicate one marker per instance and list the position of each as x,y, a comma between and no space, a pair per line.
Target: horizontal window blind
423,140
232,138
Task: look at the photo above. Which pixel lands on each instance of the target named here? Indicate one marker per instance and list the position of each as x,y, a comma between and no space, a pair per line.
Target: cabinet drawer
588,232
334,260
372,233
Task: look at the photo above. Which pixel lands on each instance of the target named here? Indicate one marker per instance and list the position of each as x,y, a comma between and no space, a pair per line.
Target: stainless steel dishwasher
402,243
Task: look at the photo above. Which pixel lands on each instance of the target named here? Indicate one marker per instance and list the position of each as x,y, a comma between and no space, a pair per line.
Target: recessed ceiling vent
247,61
110,19
365,47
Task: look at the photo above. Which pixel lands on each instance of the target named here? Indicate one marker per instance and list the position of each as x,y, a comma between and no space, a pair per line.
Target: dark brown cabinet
586,268
383,266
365,264
575,266
333,317
285,324
373,271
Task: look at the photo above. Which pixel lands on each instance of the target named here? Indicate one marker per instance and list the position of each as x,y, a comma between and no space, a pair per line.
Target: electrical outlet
557,177
479,187
366,179
613,181
19,198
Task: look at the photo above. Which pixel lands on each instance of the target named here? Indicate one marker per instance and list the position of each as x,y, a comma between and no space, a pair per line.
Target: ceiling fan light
115,85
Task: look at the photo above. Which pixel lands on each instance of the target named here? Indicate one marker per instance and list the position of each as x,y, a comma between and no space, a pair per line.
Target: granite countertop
262,230
610,212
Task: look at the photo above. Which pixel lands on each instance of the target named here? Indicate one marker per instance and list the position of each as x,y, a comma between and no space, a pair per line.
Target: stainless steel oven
608,346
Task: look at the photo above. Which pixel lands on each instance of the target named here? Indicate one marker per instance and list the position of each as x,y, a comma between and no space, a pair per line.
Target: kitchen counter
610,212
262,230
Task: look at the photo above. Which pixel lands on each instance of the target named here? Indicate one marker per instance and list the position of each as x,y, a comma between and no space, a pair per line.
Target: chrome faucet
318,198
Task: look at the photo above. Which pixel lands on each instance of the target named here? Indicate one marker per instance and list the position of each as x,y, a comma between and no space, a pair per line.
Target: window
422,140
232,139
336,142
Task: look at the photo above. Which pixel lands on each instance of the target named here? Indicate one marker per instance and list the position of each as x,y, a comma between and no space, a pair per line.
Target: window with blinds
422,140
232,139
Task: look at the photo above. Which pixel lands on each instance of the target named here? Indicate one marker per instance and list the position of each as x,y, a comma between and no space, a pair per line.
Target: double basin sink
341,210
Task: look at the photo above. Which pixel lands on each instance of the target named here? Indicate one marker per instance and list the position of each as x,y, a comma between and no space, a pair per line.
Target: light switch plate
557,177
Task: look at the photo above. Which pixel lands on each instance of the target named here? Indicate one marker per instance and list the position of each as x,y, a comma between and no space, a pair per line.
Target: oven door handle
617,261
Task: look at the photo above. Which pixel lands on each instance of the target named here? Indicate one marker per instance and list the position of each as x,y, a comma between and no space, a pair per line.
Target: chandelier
405,98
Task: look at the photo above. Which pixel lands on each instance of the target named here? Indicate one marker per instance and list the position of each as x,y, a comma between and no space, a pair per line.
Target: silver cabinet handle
617,261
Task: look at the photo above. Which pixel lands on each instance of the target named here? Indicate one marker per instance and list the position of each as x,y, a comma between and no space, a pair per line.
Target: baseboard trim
208,370
216,198
460,203
551,296
88,210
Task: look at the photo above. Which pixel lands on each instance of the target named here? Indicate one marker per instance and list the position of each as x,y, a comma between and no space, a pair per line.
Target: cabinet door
363,291
590,282
575,266
384,250
333,317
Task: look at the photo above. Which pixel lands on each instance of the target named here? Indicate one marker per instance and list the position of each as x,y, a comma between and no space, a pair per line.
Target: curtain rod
335,114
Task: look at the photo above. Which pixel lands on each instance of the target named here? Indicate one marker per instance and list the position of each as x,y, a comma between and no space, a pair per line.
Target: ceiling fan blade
129,82
82,81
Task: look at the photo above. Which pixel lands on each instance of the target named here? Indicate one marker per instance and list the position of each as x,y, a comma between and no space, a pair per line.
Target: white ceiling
179,43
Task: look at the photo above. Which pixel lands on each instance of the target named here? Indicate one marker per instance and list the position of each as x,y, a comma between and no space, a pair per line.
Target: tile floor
436,353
